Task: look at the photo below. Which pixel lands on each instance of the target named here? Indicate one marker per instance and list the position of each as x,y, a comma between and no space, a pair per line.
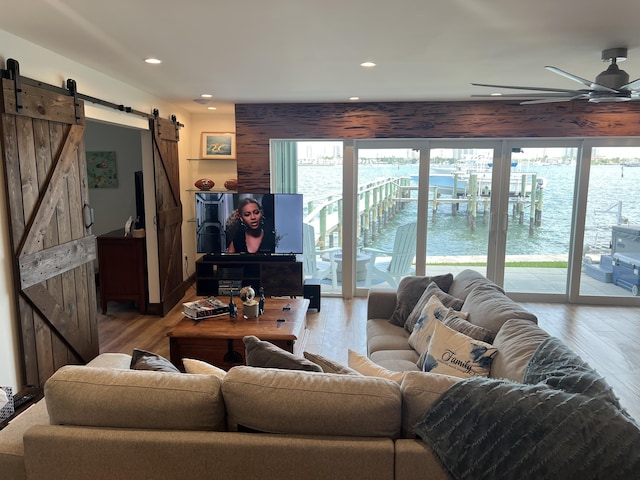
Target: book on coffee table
204,308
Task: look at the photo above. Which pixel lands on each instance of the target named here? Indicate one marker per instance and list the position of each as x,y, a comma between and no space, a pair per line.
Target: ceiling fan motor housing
613,77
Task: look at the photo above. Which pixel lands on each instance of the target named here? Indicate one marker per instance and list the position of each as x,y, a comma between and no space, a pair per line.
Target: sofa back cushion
104,397
419,391
516,341
310,403
467,280
490,308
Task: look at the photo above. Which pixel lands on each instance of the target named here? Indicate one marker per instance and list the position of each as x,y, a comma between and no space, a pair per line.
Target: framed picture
218,145
101,170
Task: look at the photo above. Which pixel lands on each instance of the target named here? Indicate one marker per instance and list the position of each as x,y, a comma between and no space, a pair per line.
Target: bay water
451,235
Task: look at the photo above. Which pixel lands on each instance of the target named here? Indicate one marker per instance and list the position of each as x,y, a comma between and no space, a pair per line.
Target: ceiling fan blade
631,85
527,95
583,81
554,100
538,89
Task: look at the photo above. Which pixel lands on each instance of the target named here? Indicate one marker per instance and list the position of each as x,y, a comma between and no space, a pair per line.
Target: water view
450,235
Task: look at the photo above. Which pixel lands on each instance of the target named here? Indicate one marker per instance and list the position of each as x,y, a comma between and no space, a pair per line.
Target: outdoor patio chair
318,264
392,265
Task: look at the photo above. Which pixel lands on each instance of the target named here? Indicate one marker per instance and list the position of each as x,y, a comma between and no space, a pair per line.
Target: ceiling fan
612,85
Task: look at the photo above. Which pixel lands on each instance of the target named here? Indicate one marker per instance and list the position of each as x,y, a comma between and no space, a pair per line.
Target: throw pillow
362,364
433,289
202,368
328,365
432,312
458,321
454,353
143,360
409,292
259,353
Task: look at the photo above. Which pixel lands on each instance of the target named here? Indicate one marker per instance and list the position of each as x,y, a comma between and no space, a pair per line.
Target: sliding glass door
611,241
540,211
549,218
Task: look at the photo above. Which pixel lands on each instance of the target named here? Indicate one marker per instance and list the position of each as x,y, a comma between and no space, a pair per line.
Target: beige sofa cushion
11,444
381,335
396,360
516,341
490,308
419,391
309,403
467,280
134,399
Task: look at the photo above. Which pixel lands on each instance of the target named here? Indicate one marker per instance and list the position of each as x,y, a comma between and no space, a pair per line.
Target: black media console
279,275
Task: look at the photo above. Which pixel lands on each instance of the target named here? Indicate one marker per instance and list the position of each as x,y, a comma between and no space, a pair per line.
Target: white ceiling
255,51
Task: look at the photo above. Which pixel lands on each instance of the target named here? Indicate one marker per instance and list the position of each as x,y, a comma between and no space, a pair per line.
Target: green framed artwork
101,170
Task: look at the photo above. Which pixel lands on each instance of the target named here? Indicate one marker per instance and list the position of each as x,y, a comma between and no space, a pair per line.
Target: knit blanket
563,422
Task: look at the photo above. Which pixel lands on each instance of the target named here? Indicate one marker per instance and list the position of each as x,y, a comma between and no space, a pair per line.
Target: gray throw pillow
143,360
328,365
469,329
259,353
409,292
433,289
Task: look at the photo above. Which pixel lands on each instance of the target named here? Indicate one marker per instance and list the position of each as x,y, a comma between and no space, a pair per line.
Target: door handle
87,215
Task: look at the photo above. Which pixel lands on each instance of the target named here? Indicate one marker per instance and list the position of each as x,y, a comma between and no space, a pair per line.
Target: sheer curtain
284,166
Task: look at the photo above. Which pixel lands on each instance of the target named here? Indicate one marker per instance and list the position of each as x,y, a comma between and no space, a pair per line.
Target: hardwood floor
608,338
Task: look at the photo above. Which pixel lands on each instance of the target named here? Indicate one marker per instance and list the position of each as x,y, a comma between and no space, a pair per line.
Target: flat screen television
220,228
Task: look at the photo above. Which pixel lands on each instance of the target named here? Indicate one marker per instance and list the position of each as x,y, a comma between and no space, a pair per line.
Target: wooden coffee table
218,340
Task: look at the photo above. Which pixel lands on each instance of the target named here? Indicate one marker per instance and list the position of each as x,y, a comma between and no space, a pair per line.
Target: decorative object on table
249,304
233,310
231,184
261,302
101,170
247,293
127,226
204,308
204,184
219,145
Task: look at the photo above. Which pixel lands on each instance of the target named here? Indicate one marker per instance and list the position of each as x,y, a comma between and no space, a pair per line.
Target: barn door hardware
73,90
13,67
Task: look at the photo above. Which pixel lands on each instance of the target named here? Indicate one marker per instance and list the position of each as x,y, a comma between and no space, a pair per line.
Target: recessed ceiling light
206,95
496,94
367,64
153,61
211,108
354,98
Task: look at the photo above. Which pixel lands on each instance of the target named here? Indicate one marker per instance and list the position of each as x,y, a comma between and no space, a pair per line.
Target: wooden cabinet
122,265
278,276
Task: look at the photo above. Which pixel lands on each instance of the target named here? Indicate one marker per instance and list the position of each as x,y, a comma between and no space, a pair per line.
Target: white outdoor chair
398,262
318,264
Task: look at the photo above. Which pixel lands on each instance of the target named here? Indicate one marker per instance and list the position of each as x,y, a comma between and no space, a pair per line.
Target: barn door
168,210
42,131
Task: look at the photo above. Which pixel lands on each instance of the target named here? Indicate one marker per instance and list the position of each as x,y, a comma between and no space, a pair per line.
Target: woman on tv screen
248,232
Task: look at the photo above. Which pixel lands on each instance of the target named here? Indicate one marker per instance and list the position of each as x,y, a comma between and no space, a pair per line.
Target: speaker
311,290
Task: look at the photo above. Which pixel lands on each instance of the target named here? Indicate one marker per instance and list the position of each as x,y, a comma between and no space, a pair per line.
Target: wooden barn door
168,211
42,131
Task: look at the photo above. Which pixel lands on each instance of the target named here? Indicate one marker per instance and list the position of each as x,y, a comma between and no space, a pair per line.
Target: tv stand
279,275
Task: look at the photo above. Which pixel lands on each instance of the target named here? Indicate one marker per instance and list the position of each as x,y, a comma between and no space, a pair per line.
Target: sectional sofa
374,420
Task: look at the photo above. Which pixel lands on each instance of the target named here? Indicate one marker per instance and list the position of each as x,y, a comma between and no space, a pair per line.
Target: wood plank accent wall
256,124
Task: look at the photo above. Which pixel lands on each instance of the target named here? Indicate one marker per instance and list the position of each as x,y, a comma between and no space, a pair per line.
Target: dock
380,200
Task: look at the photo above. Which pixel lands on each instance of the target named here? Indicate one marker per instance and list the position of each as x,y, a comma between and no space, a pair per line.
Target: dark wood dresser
122,265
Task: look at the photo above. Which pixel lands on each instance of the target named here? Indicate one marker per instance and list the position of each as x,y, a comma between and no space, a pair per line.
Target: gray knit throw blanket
563,422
